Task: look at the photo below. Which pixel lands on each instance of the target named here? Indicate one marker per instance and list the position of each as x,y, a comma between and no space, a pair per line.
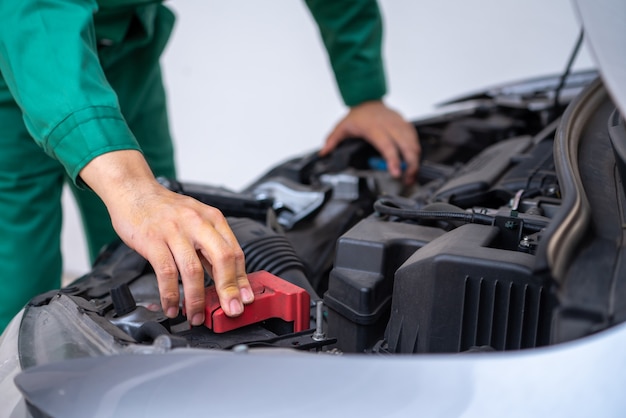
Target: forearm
118,174
49,60
352,34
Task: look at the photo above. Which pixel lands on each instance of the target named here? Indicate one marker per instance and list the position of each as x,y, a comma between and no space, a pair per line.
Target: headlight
11,401
65,328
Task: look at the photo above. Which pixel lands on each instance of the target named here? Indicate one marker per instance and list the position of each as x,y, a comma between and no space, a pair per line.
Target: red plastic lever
273,298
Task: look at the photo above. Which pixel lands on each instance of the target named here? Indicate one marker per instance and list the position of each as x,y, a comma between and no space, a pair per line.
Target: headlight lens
64,329
11,399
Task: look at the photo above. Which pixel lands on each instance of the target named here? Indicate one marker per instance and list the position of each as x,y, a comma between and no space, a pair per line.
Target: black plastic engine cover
457,293
475,179
361,282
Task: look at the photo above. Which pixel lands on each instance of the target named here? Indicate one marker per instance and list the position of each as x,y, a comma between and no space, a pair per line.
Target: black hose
386,206
383,207
149,331
267,250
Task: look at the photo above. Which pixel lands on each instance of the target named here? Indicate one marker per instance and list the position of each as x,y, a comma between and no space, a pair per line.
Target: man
82,100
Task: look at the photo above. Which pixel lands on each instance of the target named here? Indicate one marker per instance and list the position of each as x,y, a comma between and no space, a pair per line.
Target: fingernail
246,295
236,308
198,319
172,312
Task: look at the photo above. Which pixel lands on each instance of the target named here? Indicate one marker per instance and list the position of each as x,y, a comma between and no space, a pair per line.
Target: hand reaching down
175,233
386,130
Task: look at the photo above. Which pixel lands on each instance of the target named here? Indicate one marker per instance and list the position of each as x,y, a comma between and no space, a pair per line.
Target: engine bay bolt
319,335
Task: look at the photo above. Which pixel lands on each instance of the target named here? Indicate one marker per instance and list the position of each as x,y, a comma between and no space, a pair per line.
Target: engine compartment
454,263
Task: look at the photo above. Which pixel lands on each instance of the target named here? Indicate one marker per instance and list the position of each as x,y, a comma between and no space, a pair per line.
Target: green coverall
79,78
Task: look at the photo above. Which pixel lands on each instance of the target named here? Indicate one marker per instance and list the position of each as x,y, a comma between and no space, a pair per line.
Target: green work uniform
80,78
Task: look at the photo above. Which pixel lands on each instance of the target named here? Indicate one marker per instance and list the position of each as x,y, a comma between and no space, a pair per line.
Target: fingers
221,263
384,142
190,248
191,237
191,272
226,263
406,141
169,259
166,272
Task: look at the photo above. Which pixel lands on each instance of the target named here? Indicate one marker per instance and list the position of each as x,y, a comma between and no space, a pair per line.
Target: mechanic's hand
175,233
386,130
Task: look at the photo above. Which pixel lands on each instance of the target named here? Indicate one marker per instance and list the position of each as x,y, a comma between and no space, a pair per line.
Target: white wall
249,84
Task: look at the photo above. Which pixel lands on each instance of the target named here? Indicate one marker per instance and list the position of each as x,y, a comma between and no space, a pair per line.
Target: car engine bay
485,252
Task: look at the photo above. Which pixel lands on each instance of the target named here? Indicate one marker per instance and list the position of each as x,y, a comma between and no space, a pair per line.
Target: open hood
603,23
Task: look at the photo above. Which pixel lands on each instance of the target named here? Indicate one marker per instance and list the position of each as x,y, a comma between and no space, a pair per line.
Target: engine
453,263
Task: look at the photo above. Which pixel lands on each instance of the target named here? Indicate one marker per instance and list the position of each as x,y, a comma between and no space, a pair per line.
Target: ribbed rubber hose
267,250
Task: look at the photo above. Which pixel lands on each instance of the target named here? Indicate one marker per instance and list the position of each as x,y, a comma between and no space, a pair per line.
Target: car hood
348,385
603,23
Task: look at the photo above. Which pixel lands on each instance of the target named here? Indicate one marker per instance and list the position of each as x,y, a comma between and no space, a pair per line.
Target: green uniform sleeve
49,60
352,33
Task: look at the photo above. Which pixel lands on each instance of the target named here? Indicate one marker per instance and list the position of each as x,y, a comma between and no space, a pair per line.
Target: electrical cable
385,206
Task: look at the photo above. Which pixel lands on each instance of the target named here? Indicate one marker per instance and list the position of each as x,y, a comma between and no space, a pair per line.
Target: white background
249,83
